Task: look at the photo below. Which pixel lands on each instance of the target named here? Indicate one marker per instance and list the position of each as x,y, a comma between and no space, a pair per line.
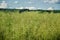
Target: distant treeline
23,10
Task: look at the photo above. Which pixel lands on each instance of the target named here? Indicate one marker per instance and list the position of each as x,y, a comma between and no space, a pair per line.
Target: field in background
29,25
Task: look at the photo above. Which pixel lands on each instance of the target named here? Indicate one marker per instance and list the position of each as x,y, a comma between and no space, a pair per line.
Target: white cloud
30,8
51,1
39,8
50,8
16,2
3,4
19,7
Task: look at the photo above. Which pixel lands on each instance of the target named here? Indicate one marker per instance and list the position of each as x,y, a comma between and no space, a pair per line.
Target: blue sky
31,4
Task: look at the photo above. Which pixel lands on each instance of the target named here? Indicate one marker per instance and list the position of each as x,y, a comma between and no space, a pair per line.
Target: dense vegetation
29,25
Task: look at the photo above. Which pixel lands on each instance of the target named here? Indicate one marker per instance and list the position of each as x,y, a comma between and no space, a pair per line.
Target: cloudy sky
31,4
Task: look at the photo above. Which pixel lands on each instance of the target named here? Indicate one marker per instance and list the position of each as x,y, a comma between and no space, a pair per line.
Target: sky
30,4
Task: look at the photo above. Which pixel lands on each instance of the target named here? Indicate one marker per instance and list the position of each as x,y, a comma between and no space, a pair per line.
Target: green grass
29,26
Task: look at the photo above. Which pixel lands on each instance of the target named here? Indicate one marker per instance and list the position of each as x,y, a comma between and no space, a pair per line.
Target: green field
29,26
